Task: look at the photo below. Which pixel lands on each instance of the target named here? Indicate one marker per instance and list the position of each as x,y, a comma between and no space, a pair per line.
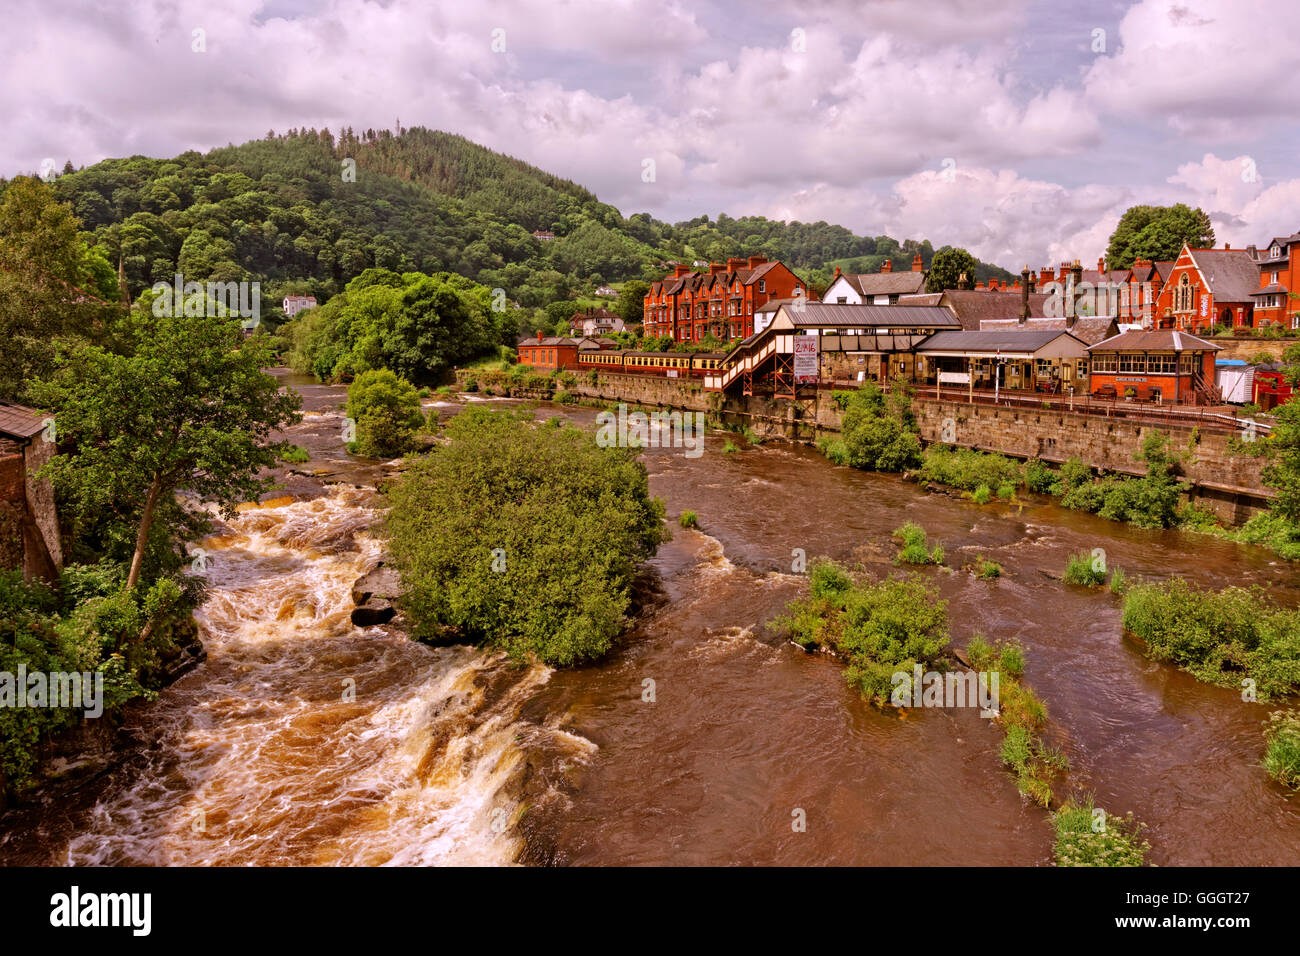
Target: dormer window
1275,252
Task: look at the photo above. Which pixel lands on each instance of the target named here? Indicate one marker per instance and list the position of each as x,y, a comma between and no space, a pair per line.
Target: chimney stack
837,272
917,265
887,265
1101,264
539,336
734,264
1024,293
680,270
755,261
715,268
963,281
1047,275
1076,292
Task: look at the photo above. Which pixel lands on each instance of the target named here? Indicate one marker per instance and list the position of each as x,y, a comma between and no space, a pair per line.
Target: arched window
1183,295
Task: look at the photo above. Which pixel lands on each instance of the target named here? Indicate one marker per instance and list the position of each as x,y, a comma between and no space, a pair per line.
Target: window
842,300
1187,363
1295,321
762,285
1104,363
1183,295
1275,252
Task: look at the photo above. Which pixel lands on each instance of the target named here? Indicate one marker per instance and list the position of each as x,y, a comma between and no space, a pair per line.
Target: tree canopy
1157,233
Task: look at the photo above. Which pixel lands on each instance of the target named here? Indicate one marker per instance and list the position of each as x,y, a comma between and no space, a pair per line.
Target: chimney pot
887,265
917,264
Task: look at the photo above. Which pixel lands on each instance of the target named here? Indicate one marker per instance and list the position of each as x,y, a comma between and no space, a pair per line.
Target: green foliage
1157,233
1150,501
386,409
947,267
53,285
1282,754
878,628
914,548
184,405
1118,581
970,470
986,569
1086,838
91,624
1041,478
1083,569
688,519
295,454
729,447
1218,636
565,522
878,431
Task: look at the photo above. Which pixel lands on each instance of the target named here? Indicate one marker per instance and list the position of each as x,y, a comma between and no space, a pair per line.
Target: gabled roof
973,306
19,421
826,315
1155,340
1233,274
1273,288
885,283
967,340
1163,269
1089,329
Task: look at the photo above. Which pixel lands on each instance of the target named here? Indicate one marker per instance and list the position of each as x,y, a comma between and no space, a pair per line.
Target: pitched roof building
885,287
687,306
29,527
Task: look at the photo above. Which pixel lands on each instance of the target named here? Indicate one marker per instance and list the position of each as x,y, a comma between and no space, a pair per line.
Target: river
305,740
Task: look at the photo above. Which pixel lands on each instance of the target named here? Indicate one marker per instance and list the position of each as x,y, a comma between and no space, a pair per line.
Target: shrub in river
914,548
687,519
563,397
879,628
729,447
969,470
986,569
522,538
295,454
751,437
878,431
1282,756
1006,491
1082,569
981,495
1118,581
1085,837
1218,636
1023,717
386,409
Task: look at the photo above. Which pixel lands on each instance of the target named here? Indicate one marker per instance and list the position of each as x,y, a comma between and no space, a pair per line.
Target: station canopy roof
1007,343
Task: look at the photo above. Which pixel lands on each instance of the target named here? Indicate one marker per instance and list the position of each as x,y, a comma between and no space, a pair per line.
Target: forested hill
287,210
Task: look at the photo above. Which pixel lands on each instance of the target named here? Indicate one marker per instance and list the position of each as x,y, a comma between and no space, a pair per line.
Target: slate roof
1274,288
886,283
973,306
1000,340
1233,274
1155,340
19,421
1089,329
827,315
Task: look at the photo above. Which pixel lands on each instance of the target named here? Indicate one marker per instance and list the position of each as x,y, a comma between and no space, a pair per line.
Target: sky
1020,130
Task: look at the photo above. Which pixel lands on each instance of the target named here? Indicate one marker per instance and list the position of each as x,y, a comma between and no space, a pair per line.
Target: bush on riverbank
1218,636
969,470
524,538
89,625
878,431
1088,837
879,628
1150,501
1085,570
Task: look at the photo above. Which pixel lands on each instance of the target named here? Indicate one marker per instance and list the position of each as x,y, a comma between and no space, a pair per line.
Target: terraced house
1277,300
687,305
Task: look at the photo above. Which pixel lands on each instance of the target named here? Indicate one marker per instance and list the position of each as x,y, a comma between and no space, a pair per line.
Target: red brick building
687,306
1279,280
1208,286
1161,365
548,353
29,527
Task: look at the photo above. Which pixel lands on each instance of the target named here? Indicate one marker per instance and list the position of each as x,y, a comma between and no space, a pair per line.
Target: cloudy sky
1020,130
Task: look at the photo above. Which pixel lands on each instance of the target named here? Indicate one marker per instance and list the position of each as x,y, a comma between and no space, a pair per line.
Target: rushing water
449,755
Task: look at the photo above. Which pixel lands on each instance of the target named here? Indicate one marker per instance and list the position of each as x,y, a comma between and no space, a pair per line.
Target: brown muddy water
305,740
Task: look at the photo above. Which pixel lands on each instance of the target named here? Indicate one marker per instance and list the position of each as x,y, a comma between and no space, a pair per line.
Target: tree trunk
142,537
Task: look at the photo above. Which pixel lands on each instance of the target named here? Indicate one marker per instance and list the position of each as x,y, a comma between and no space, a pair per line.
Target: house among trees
293,304
29,527
687,306
543,235
594,322
879,288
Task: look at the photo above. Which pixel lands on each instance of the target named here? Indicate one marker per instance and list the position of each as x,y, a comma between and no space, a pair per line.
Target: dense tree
1157,233
947,268
523,537
186,405
631,301
53,287
386,409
